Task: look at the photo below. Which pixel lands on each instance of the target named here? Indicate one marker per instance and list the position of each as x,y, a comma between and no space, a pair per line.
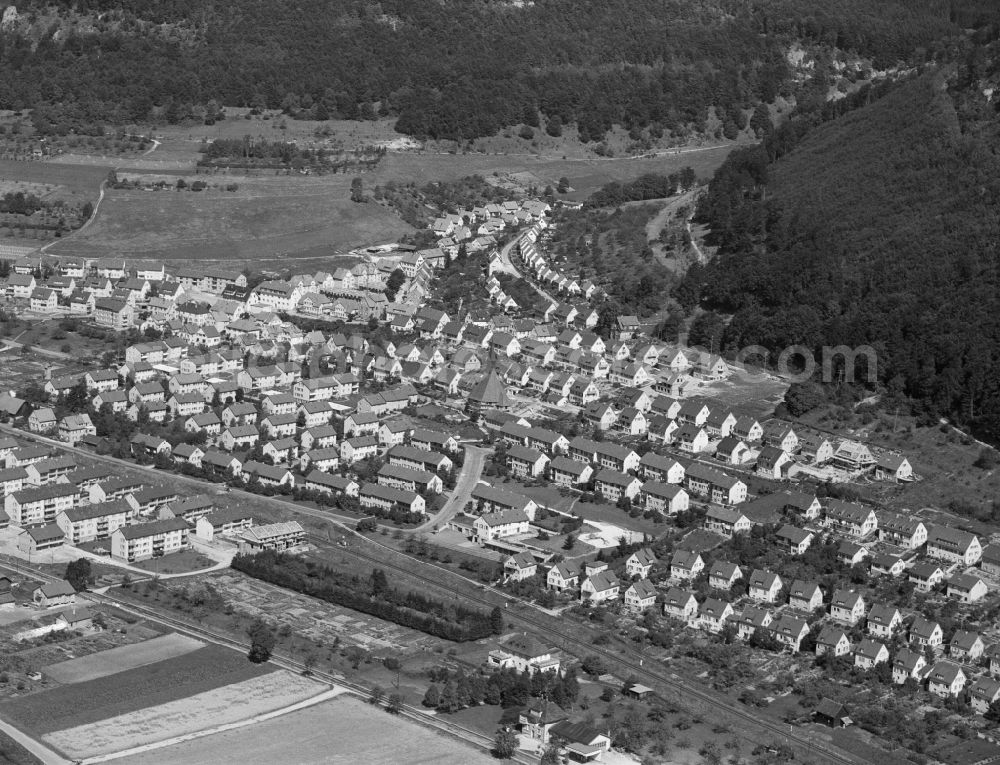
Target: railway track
195,629
415,714
632,665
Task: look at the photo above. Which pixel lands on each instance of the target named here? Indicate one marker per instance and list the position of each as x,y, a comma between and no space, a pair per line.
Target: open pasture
123,658
202,711
343,731
165,681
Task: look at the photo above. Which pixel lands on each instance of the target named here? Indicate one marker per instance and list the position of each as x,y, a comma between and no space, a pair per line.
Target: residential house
680,604
723,575
640,596
764,586
847,607
946,679
726,521
870,653
805,596
953,545
832,640
685,565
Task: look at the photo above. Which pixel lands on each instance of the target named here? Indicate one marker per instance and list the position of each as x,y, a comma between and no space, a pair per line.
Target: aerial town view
527,381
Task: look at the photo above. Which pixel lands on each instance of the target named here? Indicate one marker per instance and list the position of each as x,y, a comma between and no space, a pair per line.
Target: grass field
202,711
126,657
343,731
177,678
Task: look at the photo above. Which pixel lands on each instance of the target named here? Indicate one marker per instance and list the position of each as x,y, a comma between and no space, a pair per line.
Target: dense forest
877,227
449,69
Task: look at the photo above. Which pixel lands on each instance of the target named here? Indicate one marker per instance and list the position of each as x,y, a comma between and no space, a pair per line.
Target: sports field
123,658
344,731
86,702
201,711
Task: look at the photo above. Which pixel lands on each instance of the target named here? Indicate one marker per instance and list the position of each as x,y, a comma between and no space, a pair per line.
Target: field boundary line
319,698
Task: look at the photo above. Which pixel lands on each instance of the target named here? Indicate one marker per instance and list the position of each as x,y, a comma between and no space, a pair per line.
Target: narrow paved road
509,267
37,748
468,477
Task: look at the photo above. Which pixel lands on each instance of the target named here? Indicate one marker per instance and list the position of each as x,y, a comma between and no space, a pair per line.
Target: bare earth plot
754,394
344,731
221,706
265,217
315,619
126,657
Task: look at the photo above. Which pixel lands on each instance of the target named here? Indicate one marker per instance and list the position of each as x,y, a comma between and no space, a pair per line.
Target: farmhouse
51,594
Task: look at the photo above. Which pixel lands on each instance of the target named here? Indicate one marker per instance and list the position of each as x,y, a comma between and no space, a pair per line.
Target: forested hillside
879,227
452,68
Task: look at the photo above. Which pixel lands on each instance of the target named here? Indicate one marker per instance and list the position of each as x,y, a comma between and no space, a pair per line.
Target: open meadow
202,711
343,731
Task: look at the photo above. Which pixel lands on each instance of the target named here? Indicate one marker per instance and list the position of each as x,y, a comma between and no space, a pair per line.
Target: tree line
372,595
648,186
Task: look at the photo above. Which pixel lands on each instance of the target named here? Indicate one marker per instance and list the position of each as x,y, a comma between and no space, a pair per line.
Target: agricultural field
169,680
63,181
266,217
342,731
121,659
202,711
